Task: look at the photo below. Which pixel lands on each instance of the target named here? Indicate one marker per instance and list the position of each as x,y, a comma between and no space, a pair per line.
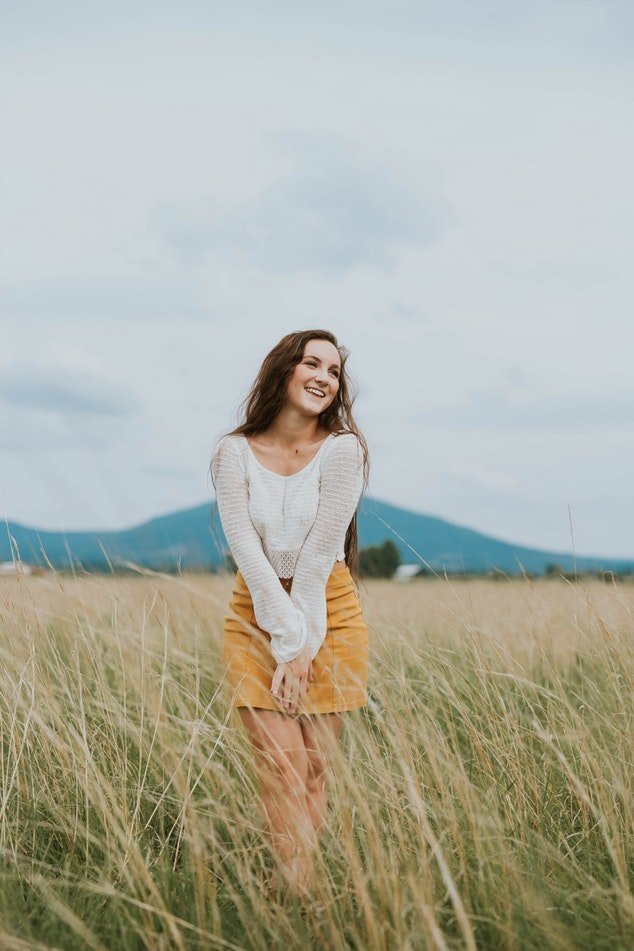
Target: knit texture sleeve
339,494
273,608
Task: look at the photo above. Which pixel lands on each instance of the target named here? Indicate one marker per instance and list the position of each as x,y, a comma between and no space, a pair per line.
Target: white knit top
288,526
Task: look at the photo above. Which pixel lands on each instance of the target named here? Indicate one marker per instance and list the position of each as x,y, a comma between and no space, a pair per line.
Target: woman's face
319,369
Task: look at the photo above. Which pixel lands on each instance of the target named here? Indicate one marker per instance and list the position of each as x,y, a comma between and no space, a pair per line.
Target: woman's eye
311,363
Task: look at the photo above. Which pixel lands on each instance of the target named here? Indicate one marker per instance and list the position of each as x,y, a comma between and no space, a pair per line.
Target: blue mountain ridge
192,539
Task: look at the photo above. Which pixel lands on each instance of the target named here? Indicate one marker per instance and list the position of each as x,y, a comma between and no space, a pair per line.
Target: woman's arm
339,494
274,610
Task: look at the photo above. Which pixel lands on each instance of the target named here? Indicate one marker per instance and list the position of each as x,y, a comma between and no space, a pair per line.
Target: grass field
482,800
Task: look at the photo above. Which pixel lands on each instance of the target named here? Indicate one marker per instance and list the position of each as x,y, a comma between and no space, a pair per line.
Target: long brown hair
267,396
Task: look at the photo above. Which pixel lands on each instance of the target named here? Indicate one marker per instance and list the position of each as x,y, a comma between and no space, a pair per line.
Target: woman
295,646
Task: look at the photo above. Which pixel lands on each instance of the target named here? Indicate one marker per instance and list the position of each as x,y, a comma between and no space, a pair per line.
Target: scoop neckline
293,474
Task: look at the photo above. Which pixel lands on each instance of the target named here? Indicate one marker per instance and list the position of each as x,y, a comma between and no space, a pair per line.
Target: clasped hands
291,681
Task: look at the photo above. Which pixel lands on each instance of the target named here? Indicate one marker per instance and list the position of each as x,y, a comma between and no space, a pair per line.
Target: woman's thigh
300,748
278,744
321,732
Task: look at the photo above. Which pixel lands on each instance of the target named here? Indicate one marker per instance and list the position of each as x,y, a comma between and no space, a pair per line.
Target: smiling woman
295,646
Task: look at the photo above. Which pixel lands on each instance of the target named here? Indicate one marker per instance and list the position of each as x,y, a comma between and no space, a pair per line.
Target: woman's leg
281,761
321,732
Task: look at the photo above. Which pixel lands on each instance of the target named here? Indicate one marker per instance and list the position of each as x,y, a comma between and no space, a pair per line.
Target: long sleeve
339,494
274,610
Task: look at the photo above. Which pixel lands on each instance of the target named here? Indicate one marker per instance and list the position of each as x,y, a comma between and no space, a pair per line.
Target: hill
190,539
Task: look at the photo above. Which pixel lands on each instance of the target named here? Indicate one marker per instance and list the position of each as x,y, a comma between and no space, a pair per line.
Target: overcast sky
447,186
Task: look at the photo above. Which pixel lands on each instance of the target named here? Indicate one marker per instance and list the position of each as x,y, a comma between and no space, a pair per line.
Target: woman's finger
288,688
296,696
277,679
302,692
296,691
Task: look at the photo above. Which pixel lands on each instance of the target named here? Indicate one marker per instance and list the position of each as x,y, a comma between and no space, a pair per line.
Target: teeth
316,392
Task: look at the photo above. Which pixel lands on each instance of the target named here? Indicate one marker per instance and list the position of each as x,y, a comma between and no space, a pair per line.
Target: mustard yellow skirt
340,668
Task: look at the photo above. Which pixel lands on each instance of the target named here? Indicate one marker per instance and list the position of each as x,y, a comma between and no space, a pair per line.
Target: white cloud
53,391
480,475
328,212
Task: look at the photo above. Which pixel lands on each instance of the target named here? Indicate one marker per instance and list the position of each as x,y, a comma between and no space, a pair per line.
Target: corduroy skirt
340,668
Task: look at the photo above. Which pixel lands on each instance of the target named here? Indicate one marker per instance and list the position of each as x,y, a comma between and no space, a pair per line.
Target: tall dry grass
482,800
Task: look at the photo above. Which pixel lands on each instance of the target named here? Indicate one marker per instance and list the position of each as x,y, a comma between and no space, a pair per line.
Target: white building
15,568
405,572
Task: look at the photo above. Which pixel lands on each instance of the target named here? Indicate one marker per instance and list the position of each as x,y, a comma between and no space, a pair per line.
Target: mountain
191,539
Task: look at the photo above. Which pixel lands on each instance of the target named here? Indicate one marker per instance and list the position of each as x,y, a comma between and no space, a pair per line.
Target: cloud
166,472
330,211
498,410
97,298
51,390
572,273
483,476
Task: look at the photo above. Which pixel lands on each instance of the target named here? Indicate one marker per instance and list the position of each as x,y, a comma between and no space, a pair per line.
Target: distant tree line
376,561
379,561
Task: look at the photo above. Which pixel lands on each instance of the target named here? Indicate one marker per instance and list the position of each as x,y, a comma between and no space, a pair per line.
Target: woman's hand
291,680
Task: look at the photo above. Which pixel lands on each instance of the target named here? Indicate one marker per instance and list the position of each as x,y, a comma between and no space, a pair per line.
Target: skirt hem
344,709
